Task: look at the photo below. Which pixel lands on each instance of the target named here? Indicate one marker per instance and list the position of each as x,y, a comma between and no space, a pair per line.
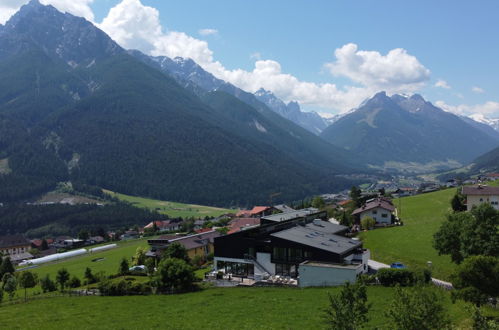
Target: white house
476,195
380,209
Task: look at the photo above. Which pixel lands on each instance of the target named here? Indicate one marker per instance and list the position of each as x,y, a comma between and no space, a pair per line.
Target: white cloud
75,7
490,108
208,32
397,71
478,90
134,25
442,84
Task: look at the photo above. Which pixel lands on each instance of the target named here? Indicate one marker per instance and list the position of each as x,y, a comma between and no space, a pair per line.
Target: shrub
367,223
74,282
47,284
391,277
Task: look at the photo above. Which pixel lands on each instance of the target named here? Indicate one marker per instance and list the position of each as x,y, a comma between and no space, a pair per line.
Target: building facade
476,195
287,247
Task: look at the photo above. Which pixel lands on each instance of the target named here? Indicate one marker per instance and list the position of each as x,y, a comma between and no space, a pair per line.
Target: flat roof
309,236
329,265
290,214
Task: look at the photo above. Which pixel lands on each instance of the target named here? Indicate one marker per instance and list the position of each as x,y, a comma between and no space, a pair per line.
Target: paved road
375,265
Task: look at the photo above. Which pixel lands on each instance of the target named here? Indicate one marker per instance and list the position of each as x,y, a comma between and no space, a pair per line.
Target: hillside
488,162
405,130
411,243
80,108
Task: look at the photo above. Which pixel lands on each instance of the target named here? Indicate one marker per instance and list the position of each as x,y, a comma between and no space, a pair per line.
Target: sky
327,55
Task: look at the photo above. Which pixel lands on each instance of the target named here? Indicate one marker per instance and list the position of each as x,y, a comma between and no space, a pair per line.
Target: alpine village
143,185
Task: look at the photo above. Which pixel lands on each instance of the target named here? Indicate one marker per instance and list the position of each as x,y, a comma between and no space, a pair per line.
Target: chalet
198,224
16,247
476,195
312,251
380,209
196,245
164,225
238,224
129,234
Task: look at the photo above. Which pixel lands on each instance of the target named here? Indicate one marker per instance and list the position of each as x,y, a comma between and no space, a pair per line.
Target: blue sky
454,42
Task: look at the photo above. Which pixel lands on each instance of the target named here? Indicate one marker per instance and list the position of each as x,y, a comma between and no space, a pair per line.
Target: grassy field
172,209
215,308
412,243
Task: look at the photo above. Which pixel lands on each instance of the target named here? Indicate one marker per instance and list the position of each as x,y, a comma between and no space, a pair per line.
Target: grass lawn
108,262
411,244
172,209
215,308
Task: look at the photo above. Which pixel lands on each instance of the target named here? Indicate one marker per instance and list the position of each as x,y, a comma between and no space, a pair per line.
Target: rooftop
290,215
480,190
13,240
310,236
238,224
375,203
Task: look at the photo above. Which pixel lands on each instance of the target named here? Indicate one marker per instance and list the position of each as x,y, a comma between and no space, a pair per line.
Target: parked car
398,265
138,269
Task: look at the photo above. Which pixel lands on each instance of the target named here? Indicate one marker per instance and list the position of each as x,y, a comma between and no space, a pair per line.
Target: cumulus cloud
442,84
490,108
397,71
75,7
208,32
478,90
134,25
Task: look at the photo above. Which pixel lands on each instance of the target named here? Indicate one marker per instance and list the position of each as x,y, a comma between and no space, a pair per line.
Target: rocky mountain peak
61,36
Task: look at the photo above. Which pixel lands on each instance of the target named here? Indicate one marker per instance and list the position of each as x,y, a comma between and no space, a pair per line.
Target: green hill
411,244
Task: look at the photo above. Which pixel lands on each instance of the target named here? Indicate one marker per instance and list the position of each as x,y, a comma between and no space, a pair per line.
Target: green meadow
213,308
411,243
172,209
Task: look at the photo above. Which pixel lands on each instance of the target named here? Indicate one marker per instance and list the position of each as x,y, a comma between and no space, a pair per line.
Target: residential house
198,224
380,209
16,247
164,225
196,245
476,195
238,224
129,234
313,251
257,212
95,240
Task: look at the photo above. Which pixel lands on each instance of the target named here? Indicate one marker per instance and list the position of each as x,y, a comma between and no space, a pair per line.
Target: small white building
476,195
380,209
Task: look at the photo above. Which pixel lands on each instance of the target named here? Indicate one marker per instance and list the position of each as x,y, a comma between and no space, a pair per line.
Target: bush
392,277
74,282
367,223
47,284
123,287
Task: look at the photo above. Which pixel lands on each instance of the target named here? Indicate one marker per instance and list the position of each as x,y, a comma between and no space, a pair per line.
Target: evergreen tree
124,266
6,267
62,278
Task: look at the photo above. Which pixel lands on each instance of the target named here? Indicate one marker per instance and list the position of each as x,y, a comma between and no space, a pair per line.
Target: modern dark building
305,247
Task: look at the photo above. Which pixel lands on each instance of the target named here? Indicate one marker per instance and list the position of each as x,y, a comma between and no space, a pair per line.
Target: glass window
375,212
279,253
384,215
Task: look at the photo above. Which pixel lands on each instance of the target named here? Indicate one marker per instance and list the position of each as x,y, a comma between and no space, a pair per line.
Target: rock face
407,129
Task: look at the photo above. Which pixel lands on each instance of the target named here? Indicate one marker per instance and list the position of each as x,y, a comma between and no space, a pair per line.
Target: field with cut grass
172,209
411,244
214,308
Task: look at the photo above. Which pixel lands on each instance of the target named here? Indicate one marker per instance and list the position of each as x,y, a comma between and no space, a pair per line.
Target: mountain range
397,131
76,106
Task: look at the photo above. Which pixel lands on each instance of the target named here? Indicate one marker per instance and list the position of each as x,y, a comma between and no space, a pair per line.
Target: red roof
375,203
493,175
259,209
345,202
237,224
160,224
